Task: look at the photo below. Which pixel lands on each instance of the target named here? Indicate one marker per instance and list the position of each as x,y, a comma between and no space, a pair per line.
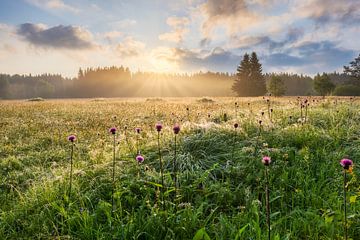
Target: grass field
221,184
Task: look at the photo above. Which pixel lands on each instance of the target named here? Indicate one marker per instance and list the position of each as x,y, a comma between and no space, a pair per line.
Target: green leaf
201,235
154,184
353,199
329,219
240,232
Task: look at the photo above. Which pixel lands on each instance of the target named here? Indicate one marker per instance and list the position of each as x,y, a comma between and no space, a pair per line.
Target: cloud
129,48
112,35
232,15
53,5
179,29
311,57
64,37
324,11
249,42
125,23
195,60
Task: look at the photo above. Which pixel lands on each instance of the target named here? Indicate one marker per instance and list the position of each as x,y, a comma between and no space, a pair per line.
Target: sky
60,36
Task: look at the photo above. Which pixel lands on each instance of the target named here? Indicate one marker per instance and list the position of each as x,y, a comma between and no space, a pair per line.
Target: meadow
220,175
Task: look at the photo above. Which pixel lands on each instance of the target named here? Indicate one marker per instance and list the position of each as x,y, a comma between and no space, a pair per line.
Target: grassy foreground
221,178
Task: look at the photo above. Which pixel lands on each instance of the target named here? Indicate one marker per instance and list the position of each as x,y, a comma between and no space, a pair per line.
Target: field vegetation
220,191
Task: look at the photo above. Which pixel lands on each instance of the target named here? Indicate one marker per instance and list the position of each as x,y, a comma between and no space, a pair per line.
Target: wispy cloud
129,47
53,5
178,31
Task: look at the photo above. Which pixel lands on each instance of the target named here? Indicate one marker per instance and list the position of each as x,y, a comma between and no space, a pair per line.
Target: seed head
236,125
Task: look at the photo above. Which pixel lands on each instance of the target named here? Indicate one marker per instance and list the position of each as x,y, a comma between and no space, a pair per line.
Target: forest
122,82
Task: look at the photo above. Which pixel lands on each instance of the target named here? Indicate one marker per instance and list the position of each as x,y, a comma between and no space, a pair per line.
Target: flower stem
71,169
113,176
345,217
175,168
161,169
267,202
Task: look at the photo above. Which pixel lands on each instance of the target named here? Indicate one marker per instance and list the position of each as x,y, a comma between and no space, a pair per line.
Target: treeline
116,82
251,82
121,82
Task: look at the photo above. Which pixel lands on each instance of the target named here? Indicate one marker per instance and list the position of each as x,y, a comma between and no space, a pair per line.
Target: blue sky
59,36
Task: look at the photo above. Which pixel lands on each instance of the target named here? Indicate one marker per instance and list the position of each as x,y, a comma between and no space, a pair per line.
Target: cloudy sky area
59,36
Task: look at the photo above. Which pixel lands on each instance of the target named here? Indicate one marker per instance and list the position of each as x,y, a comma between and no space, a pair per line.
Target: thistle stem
345,213
267,202
71,168
175,167
161,168
113,176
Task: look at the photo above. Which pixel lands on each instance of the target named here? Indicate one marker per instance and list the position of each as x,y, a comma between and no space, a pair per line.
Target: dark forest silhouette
121,82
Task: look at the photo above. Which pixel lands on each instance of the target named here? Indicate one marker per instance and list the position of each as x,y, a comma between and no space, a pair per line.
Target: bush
347,90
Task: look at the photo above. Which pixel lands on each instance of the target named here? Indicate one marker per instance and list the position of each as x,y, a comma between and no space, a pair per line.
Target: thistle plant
266,161
236,125
347,166
176,130
158,127
113,132
72,139
236,109
139,159
138,131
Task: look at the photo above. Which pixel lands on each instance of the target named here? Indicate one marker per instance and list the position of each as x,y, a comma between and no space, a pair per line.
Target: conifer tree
249,78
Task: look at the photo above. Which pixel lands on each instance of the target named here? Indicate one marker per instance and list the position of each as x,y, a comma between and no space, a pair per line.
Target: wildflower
72,138
176,129
138,130
266,160
158,127
346,163
140,158
236,125
112,130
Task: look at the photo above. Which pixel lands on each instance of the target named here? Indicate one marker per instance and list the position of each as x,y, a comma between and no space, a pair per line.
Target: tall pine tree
249,81
241,85
354,71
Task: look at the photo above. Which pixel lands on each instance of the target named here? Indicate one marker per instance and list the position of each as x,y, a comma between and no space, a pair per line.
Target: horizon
185,36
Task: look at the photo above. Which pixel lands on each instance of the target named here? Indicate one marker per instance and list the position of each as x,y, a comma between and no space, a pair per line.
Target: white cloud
178,31
129,48
53,5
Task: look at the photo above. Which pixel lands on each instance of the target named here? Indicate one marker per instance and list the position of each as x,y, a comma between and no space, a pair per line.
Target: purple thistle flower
346,163
158,127
140,158
138,130
176,128
72,138
266,160
236,125
112,130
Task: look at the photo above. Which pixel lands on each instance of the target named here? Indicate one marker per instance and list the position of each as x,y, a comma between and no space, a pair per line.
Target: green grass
221,177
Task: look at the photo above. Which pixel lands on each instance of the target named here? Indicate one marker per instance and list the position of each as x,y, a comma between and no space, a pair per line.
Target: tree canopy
323,84
353,70
276,86
249,78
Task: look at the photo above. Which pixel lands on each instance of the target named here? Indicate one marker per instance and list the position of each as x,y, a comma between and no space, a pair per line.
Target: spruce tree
354,71
241,85
257,78
249,81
